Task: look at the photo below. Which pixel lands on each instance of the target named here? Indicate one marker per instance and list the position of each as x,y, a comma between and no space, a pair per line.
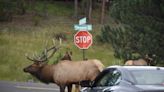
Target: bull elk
67,56
64,73
139,62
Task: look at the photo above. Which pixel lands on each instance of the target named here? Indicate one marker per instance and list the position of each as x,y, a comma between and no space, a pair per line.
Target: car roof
137,67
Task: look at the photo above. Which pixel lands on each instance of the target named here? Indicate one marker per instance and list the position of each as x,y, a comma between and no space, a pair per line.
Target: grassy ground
21,36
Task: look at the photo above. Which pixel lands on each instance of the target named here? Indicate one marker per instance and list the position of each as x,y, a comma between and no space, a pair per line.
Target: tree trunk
103,11
90,11
21,7
76,8
45,12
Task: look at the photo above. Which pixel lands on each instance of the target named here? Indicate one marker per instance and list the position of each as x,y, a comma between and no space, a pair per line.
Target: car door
108,78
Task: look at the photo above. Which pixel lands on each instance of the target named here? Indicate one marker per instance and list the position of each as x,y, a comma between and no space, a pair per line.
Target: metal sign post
84,58
83,39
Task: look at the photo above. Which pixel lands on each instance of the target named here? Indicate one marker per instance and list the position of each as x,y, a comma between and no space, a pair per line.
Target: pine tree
142,33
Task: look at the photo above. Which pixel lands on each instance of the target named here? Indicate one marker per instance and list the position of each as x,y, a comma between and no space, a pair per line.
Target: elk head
67,56
40,60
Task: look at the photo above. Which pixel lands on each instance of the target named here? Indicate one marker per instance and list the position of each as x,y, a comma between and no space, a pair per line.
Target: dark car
129,79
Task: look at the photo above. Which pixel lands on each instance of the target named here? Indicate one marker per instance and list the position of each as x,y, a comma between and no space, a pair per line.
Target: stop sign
83,39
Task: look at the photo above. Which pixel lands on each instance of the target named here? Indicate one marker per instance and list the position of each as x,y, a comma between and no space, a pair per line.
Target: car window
148,77
109,78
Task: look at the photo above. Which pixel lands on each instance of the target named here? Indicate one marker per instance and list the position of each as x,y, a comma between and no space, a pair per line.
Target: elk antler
43,57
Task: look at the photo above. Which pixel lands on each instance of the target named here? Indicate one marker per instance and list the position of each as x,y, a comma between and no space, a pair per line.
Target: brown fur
70,72
139,62
67,56
66,72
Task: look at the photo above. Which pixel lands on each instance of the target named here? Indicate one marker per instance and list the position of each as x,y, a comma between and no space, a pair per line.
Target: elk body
72,72
139,62
64,73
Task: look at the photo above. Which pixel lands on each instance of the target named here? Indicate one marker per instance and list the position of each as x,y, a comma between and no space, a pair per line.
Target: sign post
83,39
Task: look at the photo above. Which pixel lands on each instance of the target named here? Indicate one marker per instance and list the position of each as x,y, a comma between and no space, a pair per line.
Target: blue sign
82,26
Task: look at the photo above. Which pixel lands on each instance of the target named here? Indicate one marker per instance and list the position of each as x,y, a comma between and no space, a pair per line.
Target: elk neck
45,74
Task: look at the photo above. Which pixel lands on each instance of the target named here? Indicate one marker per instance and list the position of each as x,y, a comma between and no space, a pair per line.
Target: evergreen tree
142,33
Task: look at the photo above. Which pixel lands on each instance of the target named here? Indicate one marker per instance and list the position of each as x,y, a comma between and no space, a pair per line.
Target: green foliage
36,20
21,7
6,10
52,8
16,41
10,7
21,37
142,31
120,40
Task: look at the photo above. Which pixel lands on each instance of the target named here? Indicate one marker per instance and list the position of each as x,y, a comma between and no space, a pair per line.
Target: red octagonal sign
83,39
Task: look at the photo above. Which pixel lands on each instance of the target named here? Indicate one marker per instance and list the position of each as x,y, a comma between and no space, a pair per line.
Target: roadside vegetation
27,34
122,30
16,42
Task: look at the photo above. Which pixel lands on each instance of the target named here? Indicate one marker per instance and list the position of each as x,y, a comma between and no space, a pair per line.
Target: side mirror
86,83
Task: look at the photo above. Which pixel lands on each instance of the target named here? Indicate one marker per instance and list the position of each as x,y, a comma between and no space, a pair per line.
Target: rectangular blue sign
83,27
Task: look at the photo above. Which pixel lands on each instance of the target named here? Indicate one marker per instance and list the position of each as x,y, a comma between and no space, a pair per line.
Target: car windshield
148,77
108,78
